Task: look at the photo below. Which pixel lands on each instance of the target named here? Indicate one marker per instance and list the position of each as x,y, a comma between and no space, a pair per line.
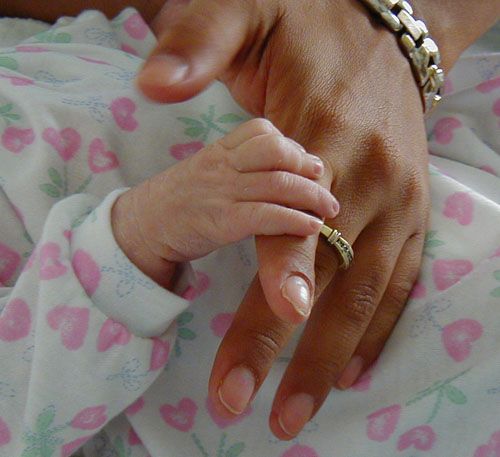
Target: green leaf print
434,243
84,184
50,190
6,108
31,452
45,419
51,37
62,38
12,116
235,450
55,177
186,334
455,395
185,318
431,242
496,274
191,122
194,132
229,118
495,292
120,447
8,62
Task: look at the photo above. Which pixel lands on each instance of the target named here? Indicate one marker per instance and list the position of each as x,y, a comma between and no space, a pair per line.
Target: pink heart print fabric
97,360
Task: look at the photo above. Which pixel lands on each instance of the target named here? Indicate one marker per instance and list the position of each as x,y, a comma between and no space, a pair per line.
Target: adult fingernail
296,291
237,389
164,70
295,413
351,372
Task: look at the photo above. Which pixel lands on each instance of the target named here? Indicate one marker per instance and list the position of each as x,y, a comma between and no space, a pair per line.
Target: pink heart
128,49
90,418
180,417
72,322
68,449
492,449
15,320
202,284
419,291
421,438
496,107
18,80
459,206
382,423
489,86
222,422
136,27
66,142
133,438
363,383
15,140
25,48
112,333
458,337
221,323
496,253
87,271
446,273
50,263
135,407
4,433
443,130
99,159
489,170
9,261
90,60
159,354
183,150
123,110
448,87
299,450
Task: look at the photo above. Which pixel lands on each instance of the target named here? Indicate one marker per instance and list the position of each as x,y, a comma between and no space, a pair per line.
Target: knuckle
364,300
384,157
413,189
262,126
266,342
280,181
322,369
396,295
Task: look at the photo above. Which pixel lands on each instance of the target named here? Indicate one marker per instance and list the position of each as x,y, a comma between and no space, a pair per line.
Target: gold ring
343,247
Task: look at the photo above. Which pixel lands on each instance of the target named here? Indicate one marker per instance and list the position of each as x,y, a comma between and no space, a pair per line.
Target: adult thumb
195,49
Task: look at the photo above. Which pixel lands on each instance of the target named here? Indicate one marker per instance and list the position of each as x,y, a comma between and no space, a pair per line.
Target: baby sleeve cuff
124,293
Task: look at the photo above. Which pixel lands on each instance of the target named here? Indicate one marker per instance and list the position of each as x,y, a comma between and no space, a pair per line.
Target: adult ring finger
334,237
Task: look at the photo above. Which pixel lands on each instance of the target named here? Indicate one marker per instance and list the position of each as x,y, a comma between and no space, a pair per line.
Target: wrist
127,232
455,24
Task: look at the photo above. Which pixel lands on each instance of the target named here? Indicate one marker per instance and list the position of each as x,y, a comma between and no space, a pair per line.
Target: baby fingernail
318,167
237,389
164,70
295,413
335,206
351,373
296,291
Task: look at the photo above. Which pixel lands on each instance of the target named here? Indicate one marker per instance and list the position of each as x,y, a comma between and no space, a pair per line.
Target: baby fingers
250,218
288,190
273,151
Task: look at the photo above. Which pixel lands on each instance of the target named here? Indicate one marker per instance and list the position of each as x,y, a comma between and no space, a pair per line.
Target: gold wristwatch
419,47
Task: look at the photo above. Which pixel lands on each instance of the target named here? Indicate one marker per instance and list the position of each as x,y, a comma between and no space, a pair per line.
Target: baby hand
253,181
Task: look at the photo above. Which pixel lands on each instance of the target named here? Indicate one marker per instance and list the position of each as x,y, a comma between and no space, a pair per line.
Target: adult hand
336,82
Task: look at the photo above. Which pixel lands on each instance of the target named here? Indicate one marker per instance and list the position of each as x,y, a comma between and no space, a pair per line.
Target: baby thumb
194,49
